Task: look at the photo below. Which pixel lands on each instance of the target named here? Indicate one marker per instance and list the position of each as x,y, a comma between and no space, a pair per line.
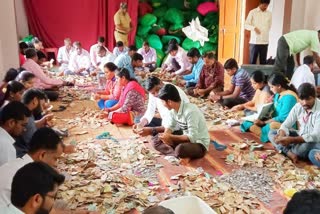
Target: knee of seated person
180,151
67,72
227,103
312,153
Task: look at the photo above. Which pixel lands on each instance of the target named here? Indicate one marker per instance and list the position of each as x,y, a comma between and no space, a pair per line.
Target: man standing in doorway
123,25
258,23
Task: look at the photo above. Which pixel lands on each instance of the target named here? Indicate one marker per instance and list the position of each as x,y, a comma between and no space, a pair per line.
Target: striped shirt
196,70
192,122
242,79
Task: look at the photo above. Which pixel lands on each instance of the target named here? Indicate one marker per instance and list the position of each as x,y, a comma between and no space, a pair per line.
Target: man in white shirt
258,23
177,61
120,49
34,189
13,120
79,62
149,56
64,54
150,125
94,56
45,146
304,73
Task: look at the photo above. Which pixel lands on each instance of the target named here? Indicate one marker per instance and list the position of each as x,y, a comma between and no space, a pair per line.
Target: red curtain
81,20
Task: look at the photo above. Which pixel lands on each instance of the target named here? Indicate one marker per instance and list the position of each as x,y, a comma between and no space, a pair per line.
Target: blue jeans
301,150
106,104
312,158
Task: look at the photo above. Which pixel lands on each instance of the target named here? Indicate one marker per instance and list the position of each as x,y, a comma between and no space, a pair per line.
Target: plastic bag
148,20
154,41
196,32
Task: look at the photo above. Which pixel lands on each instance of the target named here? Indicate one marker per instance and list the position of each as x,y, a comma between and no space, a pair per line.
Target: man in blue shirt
195,59
124,60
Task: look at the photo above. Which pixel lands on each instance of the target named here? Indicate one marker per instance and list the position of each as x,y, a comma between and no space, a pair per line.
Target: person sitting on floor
262,95
13,92
194,141
240,91
13,120
304,202
104,57
149,124
314,157
79,61
149,56
64,54
130,107
94,57
211,77
284,99
137,68
33,99
177,61
33,190
111,95
304,73
124,60
298,143
120,49
194,57
10,75
27,79
22,47
45,146
42,81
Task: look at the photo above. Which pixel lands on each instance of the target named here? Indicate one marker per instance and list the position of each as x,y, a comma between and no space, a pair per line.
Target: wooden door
250,4
229,30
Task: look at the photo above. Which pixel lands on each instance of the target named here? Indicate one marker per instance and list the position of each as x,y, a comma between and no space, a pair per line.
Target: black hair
173,42
41,55
14,110
146,43
123,72
230,64
101,39
23,46
119,44
194,52
306,90
25,76
32,93
44,138
277,78
152,82
10,75
169,92
308,60
33,178
30,53
173,47
264,1
304,202
132,48
210,55
259,77
111,66
136,57
158,210
12,87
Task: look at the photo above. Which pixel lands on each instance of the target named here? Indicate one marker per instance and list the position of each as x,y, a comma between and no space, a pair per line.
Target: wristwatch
154,131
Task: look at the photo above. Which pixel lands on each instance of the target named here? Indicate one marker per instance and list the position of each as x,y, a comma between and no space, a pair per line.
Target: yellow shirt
261,97
122,19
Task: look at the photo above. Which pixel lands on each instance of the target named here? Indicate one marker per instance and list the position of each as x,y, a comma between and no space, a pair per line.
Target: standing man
123,25
294,43
259,23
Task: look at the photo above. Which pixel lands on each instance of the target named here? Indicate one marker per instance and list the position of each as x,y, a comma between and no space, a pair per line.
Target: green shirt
302,39
192,122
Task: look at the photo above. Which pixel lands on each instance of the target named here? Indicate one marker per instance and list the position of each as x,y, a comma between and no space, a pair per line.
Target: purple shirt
242,79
